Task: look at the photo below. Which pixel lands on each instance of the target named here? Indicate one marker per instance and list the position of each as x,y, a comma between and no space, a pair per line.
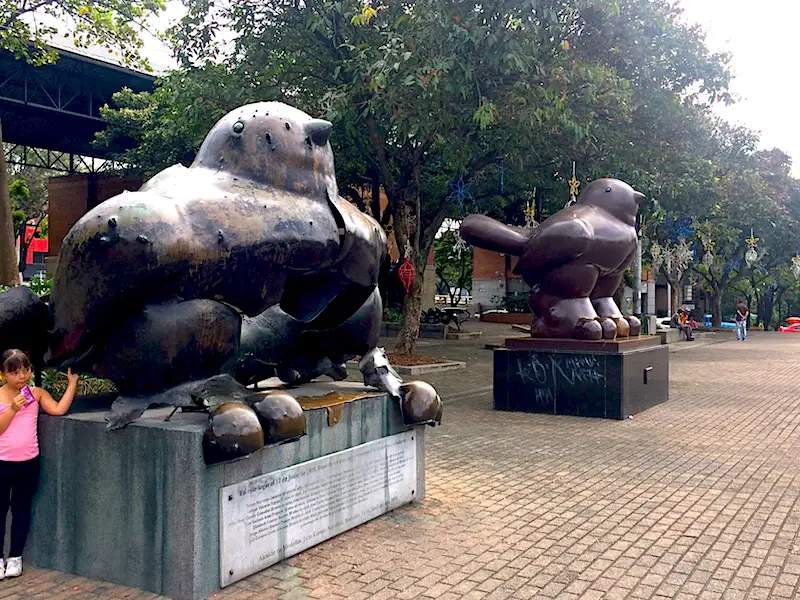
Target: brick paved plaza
695,498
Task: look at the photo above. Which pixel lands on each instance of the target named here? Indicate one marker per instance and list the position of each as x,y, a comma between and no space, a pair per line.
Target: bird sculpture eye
238,127
608,189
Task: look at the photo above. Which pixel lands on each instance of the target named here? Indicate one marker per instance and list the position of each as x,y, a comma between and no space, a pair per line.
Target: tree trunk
406,220
412,311
9,269
716,302
23,252
676,291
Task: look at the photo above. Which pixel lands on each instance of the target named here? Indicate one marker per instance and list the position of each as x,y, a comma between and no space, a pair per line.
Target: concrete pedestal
590,379
139,507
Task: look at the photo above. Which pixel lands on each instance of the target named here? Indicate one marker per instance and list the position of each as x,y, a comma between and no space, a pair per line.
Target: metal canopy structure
51,113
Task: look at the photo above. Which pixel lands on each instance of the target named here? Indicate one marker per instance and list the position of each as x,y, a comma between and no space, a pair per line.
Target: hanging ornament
708,258
657,252
751,256
406,272
574,187
460,246
529,212
796,266
708,247
682,255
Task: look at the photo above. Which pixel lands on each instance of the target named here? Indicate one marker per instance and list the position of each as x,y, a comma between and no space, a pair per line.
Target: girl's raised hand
18,402
72,378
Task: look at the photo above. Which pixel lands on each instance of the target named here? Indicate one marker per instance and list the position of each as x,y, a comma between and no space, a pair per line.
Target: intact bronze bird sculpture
574,262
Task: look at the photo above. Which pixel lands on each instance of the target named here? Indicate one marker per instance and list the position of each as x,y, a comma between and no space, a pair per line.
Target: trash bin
706,320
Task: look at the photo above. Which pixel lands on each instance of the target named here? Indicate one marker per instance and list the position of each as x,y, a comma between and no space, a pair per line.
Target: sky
760,36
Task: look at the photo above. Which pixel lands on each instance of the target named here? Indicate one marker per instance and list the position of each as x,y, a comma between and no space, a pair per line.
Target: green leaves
366,15
485,115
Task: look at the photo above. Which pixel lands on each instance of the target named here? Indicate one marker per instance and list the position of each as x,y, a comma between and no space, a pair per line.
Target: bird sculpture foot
609,328
623,329
588,329
240,421
420,404
635,326
377,372
237,429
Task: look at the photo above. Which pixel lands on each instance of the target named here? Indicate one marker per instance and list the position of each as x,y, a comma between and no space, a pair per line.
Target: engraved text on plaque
267,518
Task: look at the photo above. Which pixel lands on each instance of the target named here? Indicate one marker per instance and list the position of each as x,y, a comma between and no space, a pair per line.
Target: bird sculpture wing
554,244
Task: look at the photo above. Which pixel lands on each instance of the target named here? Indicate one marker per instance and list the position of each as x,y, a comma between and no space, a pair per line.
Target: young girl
19,449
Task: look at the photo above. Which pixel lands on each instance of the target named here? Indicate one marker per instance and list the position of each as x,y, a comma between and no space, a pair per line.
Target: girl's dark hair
14,360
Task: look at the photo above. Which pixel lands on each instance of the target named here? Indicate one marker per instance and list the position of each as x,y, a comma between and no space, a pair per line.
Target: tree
28,195
425,93
421,93
9,274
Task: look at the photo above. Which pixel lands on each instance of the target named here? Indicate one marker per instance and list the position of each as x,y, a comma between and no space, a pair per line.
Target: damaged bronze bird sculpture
243,266
574,262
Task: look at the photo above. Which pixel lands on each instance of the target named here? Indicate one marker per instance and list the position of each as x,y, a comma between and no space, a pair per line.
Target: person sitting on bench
680,320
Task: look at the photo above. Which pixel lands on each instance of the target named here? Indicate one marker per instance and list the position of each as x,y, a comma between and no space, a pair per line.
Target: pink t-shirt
20,441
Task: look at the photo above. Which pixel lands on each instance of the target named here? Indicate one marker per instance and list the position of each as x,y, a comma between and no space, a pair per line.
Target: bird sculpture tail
484,232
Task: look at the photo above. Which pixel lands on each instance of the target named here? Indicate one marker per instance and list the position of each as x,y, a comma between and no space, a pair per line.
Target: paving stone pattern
695,498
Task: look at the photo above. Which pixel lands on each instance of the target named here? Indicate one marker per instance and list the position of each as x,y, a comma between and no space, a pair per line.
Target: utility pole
636,309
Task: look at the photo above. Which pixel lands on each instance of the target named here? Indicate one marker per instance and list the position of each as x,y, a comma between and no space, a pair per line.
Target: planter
426,330
463,335
508,318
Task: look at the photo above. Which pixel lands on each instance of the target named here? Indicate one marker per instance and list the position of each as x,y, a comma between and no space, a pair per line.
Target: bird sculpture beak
638,196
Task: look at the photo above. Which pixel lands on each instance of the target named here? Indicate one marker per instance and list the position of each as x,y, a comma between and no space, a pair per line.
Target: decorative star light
460,192
752,241
529,212
574,184
530,216
574,187
681,228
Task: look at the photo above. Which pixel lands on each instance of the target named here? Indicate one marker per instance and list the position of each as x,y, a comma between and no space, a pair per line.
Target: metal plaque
267,518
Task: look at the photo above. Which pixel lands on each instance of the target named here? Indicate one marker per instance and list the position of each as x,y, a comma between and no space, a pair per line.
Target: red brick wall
492,265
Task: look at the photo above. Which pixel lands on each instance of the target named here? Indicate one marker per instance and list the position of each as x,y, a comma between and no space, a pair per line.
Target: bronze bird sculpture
245,265
574,262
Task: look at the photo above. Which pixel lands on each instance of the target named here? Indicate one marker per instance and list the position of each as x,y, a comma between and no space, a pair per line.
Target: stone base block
670,336
608,380
138,507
